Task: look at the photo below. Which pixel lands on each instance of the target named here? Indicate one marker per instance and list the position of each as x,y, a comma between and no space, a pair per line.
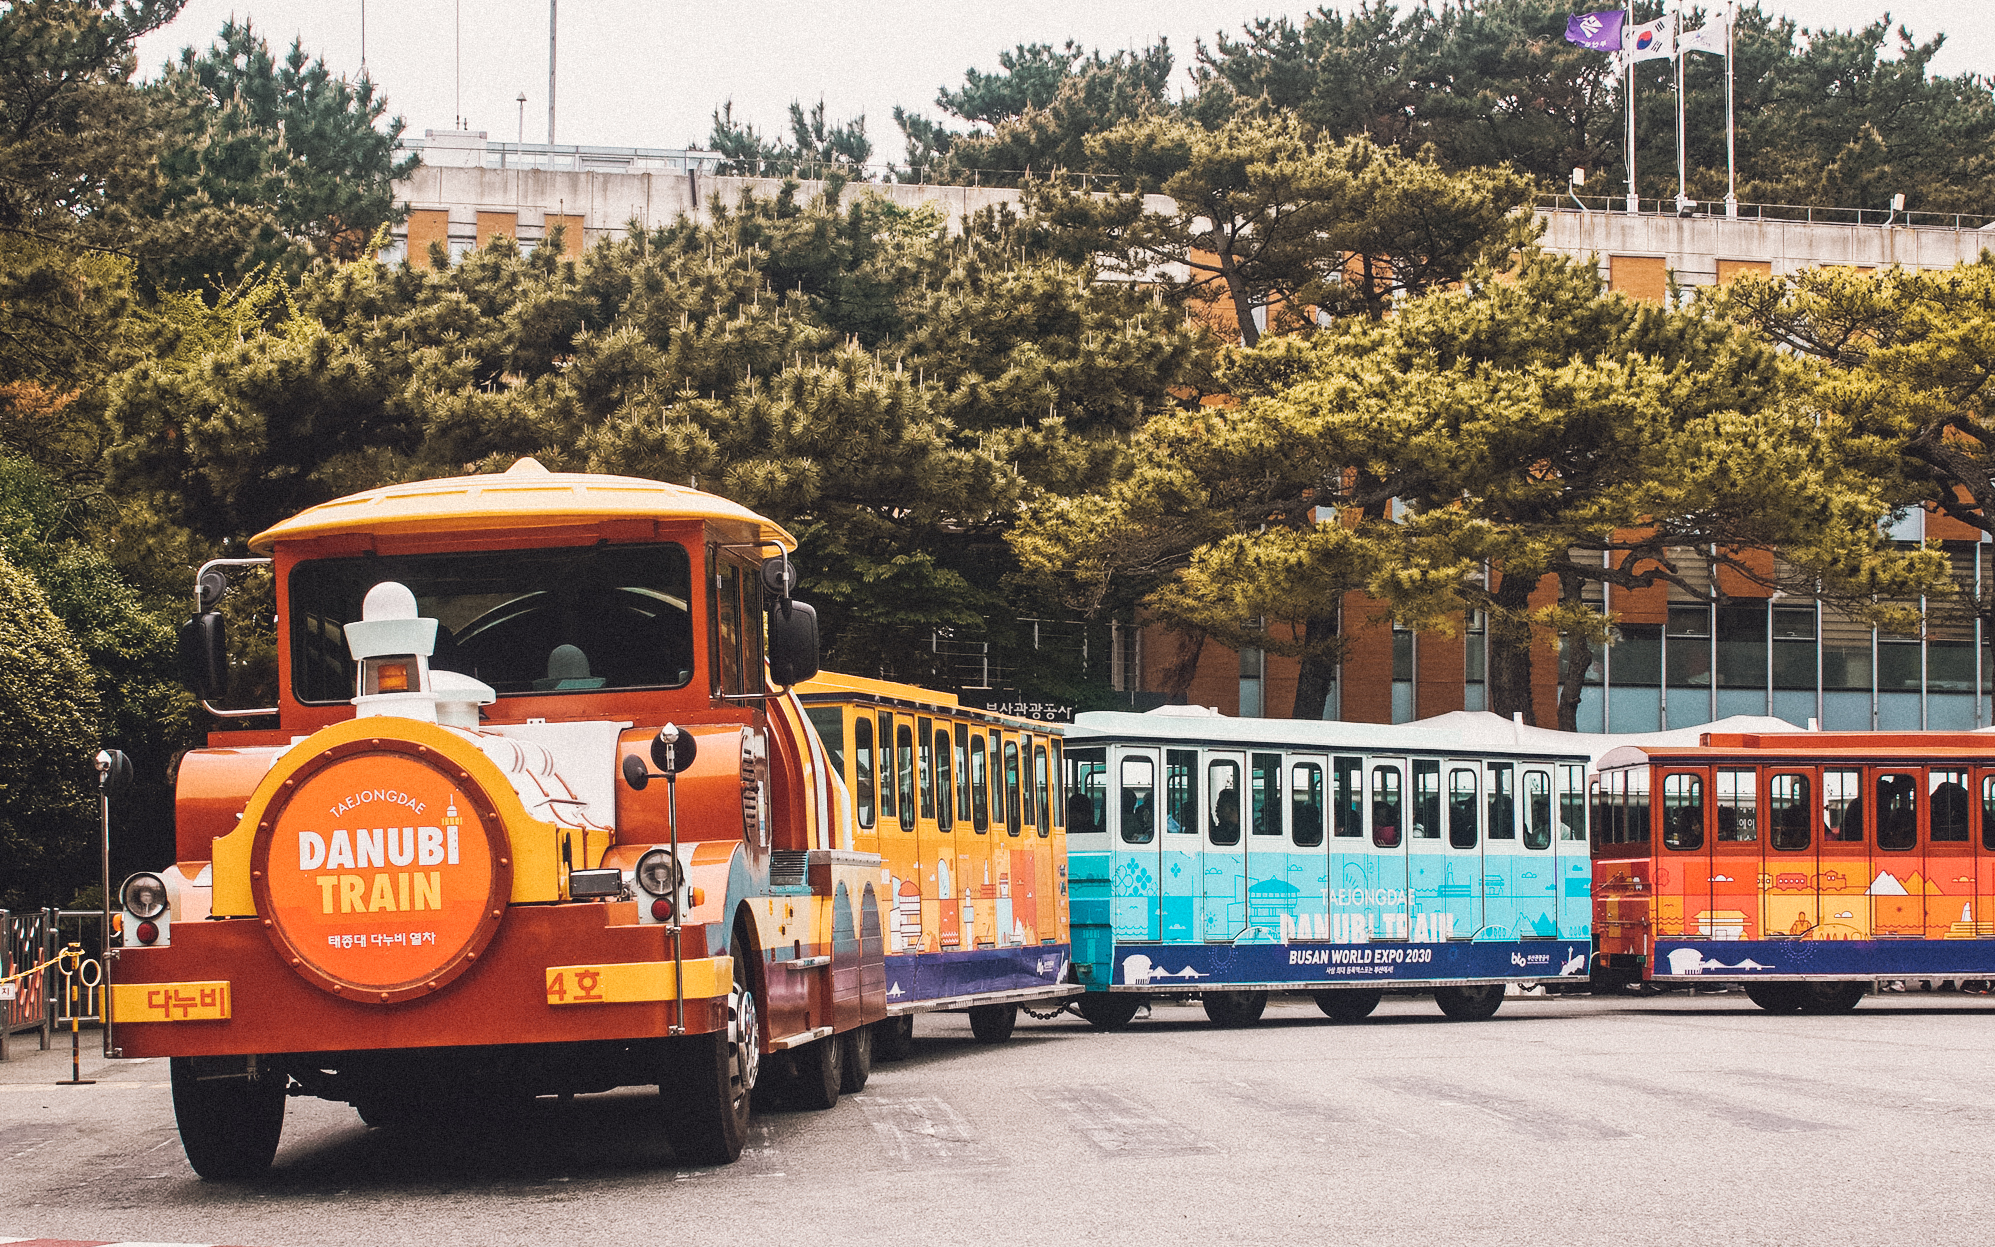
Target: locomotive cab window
526,622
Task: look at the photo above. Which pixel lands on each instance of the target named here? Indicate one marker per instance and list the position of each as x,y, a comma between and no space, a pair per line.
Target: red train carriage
1803,865
536,818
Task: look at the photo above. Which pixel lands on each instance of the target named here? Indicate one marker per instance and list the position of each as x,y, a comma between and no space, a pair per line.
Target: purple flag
1597,30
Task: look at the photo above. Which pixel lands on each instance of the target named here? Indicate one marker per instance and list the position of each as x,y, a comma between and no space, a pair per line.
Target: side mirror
792,642
204,655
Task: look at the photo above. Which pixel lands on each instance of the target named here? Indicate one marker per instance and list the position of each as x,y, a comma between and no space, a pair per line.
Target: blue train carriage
964,807
1230,858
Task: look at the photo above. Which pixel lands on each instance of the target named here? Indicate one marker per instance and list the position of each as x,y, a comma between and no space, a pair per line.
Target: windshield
523,621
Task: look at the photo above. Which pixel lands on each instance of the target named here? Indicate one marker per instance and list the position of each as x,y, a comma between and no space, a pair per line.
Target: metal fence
51,988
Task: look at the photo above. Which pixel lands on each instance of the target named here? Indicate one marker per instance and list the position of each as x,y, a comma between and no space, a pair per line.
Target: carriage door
1270,896
1180,868
1899,908
1308,860
1133,878
1683,866
1461,877
1735,854
1984,856
1789,902
1501,862
1537,873
1426,850
1389,813
1575,855
1224,903
1949,855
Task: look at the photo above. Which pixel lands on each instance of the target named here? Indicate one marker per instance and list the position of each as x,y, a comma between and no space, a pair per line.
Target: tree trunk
1177,674
1510,654
1243,299
1318,674
1575,657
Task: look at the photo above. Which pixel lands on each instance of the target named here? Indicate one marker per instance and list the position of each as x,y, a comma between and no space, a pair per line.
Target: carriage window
1027,810
1950,800
1789,811
1011,803
1306,815
1502,802
885,773
1461,808
1426,800
1138,800
830,724
1988,812
962,773
1347,814
1385,806
904,752
1897,813
1267,794
980,786
1638,805
1572,803
1683,812
1602,827
945,783
1039,786
1738,806
1059,769
727,597
925,733
1224,778
1537,810
1181,791
862,768
1087,796
1842,807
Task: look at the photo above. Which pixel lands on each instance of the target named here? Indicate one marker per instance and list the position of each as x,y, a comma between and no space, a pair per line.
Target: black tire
820,1073
993,1023
1470,1004
1776,997
229,1123
381,1112
1235,1008
893,1039
1821,998
857,1059
1354,1005
1107,1011
706,1099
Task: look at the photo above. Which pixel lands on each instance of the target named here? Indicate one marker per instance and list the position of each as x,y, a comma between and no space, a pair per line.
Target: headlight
144,896
658,872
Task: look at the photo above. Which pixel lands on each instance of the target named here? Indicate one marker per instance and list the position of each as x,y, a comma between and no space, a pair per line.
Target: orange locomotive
532,822
1803,866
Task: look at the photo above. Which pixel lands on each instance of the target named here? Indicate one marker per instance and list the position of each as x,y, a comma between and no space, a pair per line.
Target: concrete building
1679,662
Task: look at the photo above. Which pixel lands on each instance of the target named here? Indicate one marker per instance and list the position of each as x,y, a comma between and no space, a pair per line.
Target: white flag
1712,37
1648,41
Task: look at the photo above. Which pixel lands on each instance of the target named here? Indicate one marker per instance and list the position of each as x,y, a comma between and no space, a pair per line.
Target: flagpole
1682,148
1731,126
1634,196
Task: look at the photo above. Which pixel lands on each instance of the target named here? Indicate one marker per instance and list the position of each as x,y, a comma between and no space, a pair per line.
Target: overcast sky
649,73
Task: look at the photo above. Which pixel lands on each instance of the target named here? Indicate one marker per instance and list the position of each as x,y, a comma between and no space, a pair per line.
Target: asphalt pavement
1562,1120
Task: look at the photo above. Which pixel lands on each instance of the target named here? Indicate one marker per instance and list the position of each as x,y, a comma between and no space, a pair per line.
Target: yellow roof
839,682
526,495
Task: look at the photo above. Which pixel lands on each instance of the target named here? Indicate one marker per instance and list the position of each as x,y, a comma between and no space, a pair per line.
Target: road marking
1532,1117
1122,1125
922,1130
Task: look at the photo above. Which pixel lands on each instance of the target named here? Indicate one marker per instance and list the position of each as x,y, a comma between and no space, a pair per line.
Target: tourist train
553,798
